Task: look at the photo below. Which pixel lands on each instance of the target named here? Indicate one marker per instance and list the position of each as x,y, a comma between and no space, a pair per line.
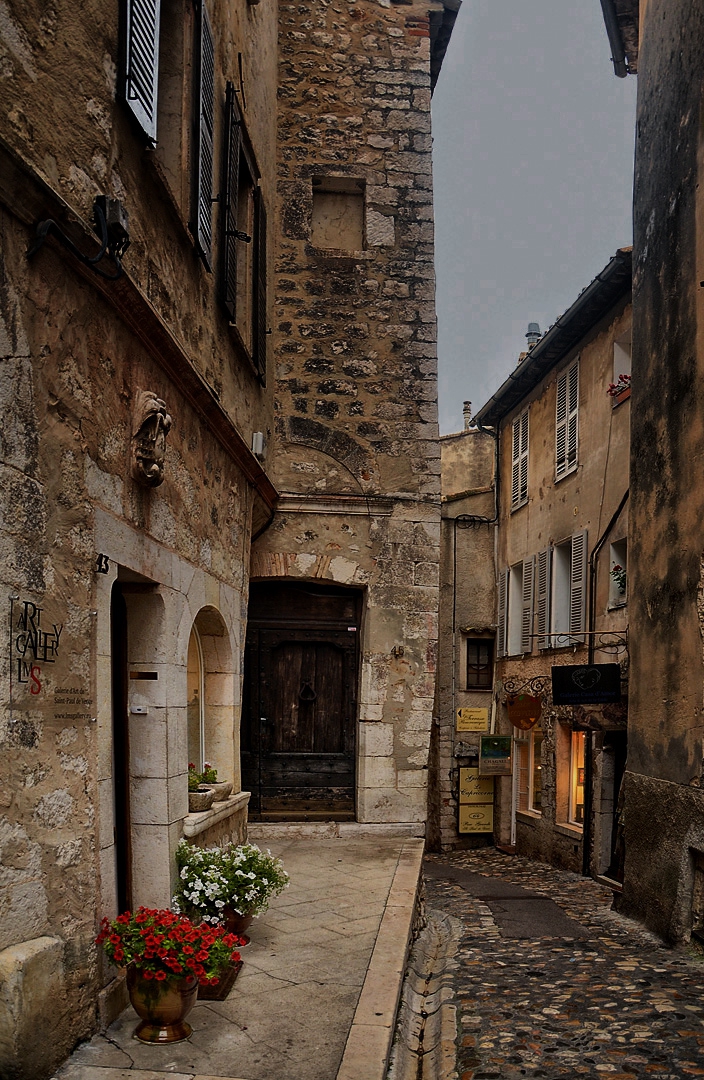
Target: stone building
354,448
664,806
467,628
562,476
154,396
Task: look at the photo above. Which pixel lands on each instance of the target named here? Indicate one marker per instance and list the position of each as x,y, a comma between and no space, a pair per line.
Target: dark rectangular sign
587,684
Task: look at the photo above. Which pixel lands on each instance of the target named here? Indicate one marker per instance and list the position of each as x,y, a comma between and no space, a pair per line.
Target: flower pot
162,1005
622,396
200,800
221,790
236,923
219,991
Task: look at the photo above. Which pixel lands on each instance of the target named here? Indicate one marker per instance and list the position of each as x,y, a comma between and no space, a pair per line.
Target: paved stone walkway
614,1003
316,997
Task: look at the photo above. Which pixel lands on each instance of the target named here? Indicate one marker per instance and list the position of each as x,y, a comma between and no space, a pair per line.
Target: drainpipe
588,771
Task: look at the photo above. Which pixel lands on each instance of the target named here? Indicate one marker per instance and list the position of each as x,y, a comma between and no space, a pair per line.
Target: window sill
194,824
565,828
529,817
476,689
617,604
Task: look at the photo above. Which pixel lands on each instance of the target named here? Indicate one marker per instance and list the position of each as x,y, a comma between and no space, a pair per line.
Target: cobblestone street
605,999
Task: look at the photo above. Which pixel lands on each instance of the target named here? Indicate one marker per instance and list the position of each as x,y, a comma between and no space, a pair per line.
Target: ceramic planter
161,1005
236,923
219,991
199,800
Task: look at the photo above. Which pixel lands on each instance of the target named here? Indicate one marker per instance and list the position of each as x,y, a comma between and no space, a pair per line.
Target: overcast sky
533,160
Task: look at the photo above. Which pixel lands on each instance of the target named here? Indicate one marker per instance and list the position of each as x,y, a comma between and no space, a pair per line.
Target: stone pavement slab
615,1004
317,995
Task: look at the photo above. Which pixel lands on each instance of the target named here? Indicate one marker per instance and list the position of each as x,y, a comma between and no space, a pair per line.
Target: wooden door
299,718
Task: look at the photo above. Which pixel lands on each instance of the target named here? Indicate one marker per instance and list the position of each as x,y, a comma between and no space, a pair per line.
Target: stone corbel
151,424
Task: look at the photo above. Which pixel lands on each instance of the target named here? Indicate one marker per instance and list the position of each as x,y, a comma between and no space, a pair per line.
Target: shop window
480,663
338,213
576,795
529,776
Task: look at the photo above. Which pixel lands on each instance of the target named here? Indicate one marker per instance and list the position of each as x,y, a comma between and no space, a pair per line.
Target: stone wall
355,442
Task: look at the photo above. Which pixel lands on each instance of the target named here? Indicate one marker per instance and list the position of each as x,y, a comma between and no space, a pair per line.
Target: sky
533,139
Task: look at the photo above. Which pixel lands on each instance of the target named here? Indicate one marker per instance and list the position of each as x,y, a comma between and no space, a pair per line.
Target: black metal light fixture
111,223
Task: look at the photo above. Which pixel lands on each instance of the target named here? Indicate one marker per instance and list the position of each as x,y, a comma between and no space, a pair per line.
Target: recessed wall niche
338,213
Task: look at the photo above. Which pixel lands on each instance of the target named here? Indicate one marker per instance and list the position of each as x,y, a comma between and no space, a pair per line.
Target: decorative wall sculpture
151,424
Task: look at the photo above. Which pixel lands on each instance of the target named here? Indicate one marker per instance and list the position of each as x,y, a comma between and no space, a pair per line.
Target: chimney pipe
467,413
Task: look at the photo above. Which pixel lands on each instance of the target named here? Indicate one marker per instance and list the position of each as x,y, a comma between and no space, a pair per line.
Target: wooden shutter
527,605
519,461
578,587
522,774
502,613
228,209
142,62
566,421
259,305
204,125
542,585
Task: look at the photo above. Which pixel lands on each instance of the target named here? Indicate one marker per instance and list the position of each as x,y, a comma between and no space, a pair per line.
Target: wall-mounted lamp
112,226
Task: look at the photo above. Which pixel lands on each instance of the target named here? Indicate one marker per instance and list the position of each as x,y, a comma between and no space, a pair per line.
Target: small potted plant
618,573
209,779
621,389
167,957
229,885
199,797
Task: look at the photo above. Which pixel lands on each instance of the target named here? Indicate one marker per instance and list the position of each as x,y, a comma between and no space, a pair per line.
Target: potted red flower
167,957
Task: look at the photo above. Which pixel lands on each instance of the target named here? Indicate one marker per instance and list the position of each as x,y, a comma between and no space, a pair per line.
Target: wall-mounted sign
523,710
472,720
495,755
475,788
586,684
476,819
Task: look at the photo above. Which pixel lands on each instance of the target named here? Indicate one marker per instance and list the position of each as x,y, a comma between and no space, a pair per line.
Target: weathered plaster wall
356,390
666,727
584,499
467,607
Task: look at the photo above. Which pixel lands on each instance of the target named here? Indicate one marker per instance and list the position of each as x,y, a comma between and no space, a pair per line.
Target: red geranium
160,943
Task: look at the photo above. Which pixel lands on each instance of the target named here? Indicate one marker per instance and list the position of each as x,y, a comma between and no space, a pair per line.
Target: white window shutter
542,588
205,122
566,421
142,62
501,620
578,587
519,460
527,605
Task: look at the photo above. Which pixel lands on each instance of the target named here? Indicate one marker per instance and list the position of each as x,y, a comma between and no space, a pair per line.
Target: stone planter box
200,800
221,790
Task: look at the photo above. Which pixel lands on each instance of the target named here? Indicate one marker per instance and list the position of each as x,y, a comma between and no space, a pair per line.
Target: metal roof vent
533,336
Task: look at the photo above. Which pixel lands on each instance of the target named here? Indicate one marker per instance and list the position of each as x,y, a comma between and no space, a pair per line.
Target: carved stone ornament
151,424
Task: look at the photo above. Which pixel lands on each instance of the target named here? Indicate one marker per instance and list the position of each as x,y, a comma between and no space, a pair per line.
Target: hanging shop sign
586,684
523,710
472,720
495,755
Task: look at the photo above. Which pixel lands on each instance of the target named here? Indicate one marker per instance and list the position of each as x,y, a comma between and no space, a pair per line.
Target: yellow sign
476,818
475,788
472,719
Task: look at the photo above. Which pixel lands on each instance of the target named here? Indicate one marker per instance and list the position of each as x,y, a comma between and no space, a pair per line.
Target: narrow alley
550,982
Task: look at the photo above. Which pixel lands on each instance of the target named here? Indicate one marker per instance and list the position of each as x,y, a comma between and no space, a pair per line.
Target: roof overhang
442,20
590,307
622,27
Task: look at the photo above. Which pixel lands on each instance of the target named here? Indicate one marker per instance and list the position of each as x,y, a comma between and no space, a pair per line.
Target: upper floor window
519,461
567,421
516,594
480,663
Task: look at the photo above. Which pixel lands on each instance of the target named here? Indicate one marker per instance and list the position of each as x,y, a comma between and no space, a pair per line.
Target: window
568,601
515,614
576,797
480,663
519,461
338,213
622,355
618,587
529,775
203,135
566,421
242,272
195,701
